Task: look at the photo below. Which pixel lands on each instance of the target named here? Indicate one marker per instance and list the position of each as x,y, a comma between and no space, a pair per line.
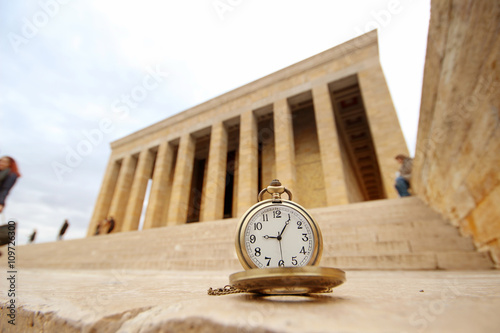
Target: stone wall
310,182
457,164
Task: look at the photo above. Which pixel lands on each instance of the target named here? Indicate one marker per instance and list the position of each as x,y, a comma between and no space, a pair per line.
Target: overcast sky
66,65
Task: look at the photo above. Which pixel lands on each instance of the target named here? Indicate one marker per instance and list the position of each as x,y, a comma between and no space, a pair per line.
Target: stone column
384,124
105,195
331,158
268,157
181,187
234,208
284,146
248,163
213,193
160,189
138,191
122,191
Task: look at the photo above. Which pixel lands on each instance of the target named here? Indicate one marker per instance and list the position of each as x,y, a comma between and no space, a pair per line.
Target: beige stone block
235,186
429,244
366,248
178,208
138,191
268,164
384,248
284,147
494,248
161,187
402,261
386,234
341,237
334,178
458,204
486,218
103,202
401,302
485,176
247,163
456,167
212,205
122,191
310,184
461,260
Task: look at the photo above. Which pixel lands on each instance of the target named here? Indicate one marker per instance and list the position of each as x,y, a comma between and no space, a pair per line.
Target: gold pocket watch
279,245
278,233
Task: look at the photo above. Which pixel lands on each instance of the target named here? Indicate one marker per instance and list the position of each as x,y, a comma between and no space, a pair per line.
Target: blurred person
99,227
32,237
9,173
111,224
63,229
403,176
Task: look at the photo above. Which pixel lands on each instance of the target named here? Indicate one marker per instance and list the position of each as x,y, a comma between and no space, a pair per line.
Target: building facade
325,127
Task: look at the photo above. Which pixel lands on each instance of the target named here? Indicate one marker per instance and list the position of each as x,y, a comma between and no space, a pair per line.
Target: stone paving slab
177,301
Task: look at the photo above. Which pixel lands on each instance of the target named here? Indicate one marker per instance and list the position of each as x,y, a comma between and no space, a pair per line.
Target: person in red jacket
9,173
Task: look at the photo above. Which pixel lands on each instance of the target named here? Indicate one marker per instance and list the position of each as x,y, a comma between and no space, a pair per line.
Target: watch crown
275,182
275,189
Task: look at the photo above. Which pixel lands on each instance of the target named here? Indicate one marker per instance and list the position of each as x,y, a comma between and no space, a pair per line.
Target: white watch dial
279,236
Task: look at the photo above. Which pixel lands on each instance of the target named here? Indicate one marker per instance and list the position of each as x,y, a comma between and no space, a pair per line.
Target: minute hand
281,233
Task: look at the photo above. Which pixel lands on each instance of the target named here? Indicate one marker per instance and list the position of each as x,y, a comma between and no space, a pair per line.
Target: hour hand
267,237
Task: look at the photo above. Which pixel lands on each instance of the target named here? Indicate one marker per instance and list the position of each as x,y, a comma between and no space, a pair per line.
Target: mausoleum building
326,127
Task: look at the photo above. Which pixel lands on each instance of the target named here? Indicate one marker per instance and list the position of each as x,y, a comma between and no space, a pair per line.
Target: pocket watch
278,233
279,245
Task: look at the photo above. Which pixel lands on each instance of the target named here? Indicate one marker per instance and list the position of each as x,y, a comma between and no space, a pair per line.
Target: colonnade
169,166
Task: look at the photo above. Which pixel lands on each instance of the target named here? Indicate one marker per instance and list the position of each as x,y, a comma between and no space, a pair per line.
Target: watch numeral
299,224
294,261
268,261
265,218
281,263
252,239
257,251
257,226
277,214
303,250
305,238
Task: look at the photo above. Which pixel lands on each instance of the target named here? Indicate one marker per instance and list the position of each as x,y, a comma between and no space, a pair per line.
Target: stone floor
176,301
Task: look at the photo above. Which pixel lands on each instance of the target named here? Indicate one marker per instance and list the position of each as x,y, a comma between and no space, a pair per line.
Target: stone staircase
396,234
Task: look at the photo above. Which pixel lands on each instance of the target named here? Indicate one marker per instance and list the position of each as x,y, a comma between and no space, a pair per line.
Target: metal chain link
228,289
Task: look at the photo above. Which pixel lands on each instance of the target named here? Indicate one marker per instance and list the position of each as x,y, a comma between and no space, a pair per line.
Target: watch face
280,235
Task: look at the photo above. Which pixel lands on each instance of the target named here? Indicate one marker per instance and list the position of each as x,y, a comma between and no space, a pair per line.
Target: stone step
208,252
445,260
405,208
383,234
406,261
